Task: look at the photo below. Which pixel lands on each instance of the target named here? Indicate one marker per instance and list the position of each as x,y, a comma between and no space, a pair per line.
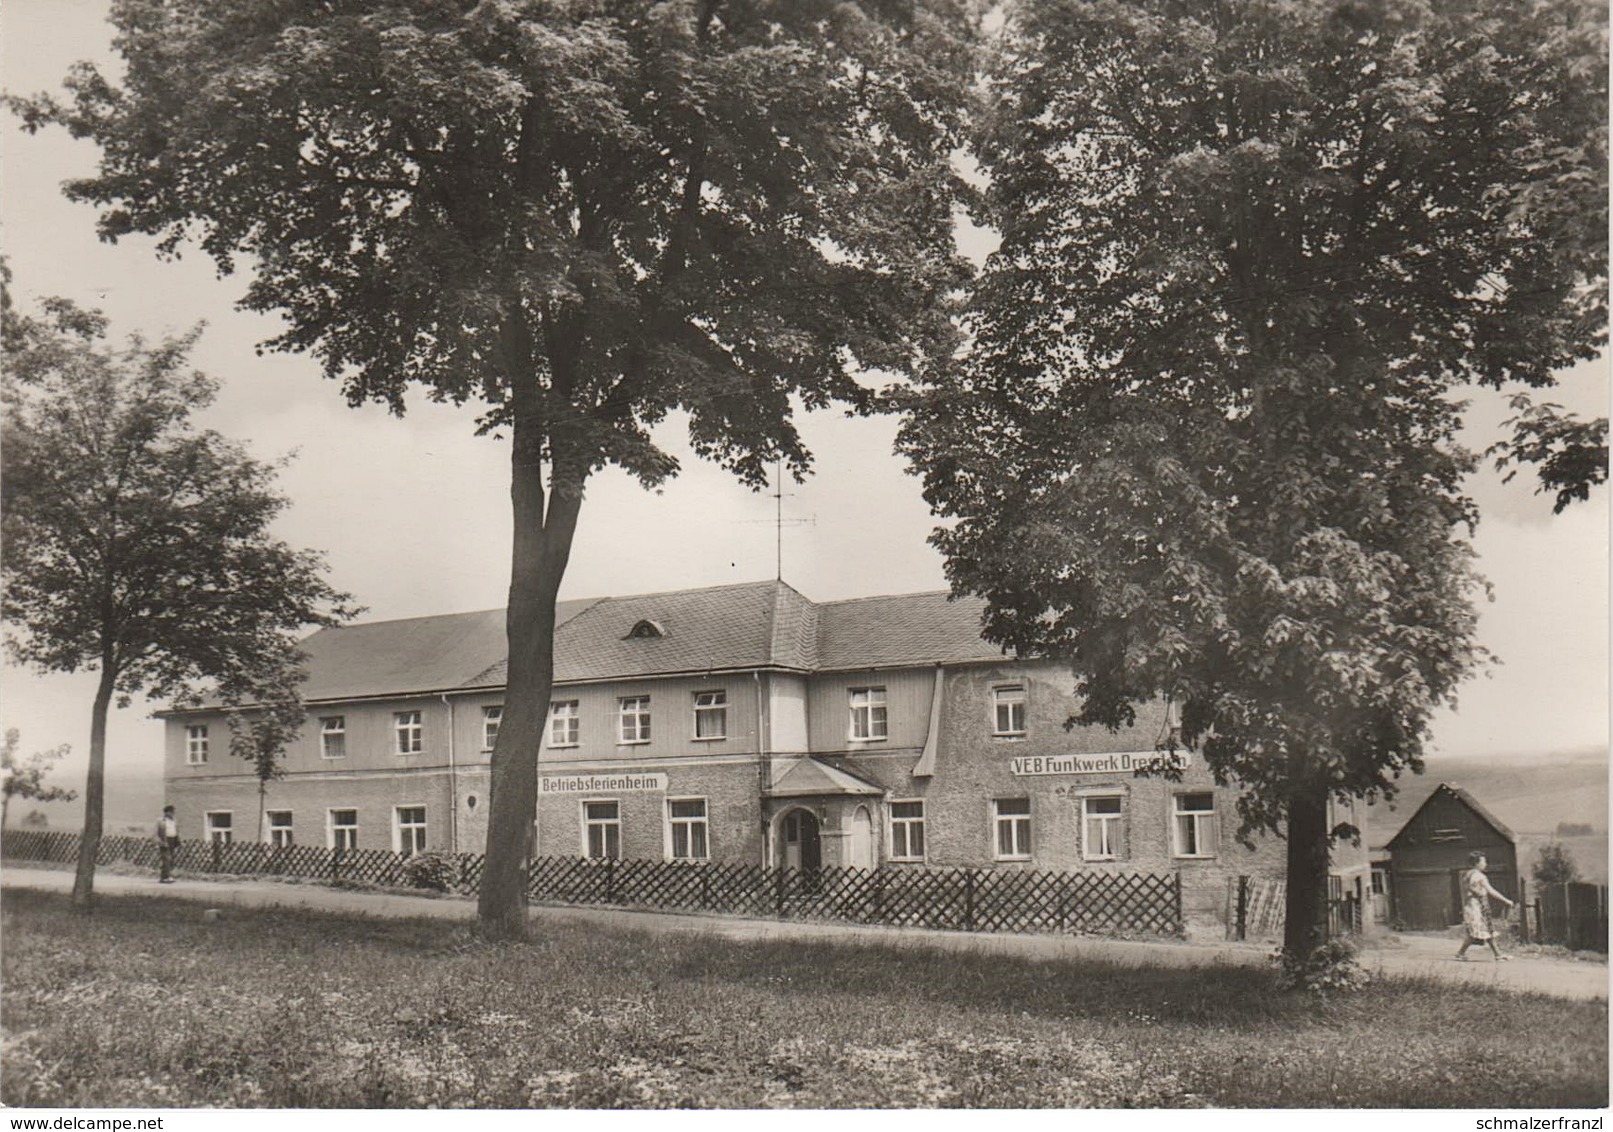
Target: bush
430,870
1329,968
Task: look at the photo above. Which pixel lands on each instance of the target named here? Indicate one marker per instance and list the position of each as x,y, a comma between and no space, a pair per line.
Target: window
220,827
1013,821
411,736
635,719
565,728
1447,835
491,715
868,720
196,744
1008,710
344,829
602,829
410,822
711,715
280,829
333,737
1195,825
687,818
907,831
1100,828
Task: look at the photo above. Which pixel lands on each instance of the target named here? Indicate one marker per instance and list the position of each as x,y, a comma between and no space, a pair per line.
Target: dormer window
646,630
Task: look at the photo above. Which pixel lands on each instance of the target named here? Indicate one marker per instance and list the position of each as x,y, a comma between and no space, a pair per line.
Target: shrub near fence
956,899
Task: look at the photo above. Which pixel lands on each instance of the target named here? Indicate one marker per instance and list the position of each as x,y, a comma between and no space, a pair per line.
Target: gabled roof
752,625
1446,790
809,778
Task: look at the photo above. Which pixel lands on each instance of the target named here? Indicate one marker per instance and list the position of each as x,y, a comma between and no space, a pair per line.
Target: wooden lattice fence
954,899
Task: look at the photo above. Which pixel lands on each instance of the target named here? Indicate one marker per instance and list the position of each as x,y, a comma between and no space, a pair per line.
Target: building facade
738,724
1428,857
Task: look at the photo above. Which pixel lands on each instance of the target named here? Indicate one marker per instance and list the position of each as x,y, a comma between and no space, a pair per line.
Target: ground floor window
687,818
907,831
1100,828
1194,822
343,832
411,829
1012,817
220,826
280,835
602,829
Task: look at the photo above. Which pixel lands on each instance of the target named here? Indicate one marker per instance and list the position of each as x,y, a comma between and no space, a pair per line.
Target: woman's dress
1476,908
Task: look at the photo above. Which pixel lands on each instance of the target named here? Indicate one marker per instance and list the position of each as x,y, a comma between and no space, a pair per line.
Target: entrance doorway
799,843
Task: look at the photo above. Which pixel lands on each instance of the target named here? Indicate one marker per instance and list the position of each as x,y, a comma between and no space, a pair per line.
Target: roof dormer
646,630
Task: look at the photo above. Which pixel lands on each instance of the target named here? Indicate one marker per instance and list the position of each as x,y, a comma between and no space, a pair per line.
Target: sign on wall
1117,762
601,783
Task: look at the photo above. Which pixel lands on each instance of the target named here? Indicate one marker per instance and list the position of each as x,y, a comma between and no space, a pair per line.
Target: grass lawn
145,1004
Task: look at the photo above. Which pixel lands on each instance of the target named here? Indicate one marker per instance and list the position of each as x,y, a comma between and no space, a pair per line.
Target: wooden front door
802,848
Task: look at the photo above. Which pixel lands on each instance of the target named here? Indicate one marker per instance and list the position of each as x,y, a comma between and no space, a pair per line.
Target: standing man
167,842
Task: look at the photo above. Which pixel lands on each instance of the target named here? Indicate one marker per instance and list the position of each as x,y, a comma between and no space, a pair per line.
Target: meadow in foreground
146,1004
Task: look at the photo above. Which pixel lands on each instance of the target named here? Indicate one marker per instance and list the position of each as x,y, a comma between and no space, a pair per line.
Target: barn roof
754,625
1447,790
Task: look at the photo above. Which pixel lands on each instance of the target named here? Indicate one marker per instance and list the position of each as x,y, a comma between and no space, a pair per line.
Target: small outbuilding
1430,853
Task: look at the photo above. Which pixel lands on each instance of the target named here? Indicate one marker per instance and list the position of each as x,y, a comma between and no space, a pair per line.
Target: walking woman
1477,892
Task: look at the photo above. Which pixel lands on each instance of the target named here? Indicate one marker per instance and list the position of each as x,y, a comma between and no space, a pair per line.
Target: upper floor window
868,718
411,735
686,818
711,715
491,715
410,822
907,831
1194,824
1008,710
634,719
1012,817
333,737
196,744
565,727
280,834
1100,828
220,827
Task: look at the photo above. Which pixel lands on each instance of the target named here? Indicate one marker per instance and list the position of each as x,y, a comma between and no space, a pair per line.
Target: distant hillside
133,801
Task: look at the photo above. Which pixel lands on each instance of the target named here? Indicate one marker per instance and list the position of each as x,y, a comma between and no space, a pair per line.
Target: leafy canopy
135,543
618,208
1202,442
25,778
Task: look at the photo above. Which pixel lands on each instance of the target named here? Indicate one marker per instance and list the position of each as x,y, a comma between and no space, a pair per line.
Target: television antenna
779,521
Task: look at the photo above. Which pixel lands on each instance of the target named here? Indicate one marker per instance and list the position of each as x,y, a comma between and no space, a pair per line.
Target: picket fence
957,899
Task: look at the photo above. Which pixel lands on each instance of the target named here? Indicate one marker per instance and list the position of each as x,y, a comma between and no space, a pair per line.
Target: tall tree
585,214
25,778
135,544
1202,443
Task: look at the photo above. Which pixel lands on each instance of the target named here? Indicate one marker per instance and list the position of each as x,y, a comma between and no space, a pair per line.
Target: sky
413,513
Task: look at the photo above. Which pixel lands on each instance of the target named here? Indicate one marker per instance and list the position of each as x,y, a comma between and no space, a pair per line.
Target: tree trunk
89,843
543,537
1305,922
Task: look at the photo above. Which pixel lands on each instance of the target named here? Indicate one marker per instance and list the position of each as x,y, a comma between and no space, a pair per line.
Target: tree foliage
580,215
137,545
1555,865
25,778
1202,444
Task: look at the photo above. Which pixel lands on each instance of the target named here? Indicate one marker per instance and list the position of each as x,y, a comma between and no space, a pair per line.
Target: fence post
1181,922
968,900
218,853
610,880
1243,905
1523,910
778,897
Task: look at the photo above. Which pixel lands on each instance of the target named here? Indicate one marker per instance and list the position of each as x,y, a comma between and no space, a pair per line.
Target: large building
741,723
